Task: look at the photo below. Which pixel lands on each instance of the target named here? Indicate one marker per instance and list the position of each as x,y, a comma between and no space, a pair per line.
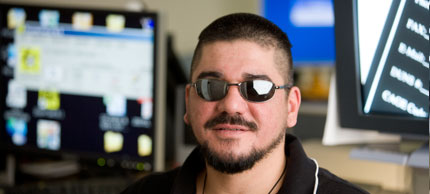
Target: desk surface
387,176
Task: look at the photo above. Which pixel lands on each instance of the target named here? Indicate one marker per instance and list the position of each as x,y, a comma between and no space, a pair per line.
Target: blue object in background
309,25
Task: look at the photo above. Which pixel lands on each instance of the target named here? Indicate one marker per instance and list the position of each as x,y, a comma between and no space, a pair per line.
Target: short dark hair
250,27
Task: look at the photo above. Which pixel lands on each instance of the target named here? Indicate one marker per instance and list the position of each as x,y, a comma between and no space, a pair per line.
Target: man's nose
233,102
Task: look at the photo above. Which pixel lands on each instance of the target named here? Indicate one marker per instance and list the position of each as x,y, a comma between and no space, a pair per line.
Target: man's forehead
244,76
203,65
236,49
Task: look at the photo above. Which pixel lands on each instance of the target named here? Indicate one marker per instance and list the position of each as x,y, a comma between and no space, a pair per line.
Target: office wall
183,19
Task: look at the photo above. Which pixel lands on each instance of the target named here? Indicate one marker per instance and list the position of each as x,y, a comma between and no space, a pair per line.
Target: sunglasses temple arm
288,86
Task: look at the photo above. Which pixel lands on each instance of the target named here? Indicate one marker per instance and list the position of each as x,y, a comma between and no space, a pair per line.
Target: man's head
250,27
237,131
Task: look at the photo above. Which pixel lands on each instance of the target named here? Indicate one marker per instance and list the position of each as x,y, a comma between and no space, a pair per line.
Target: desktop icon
16,95
48,134
17,129
49,18
115,23
144,143
11,55
48,100
147,23
82,21
15,18
116,105
113,141
146,108
29,60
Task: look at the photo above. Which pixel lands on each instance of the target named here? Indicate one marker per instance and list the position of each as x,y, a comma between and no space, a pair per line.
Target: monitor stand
420,157
411,153
52,168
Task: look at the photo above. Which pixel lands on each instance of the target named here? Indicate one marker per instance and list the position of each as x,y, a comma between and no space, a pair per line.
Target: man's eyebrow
248,76
206,74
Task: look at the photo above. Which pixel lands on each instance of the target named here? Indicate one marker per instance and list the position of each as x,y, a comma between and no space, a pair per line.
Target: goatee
228,163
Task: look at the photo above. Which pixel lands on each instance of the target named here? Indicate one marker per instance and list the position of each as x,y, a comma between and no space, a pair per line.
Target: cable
316,175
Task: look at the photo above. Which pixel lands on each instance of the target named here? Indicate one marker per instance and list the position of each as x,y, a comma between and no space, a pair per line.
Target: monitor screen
382,65
309,25
79,81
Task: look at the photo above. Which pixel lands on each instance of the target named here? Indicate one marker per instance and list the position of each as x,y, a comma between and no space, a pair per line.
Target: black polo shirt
299,176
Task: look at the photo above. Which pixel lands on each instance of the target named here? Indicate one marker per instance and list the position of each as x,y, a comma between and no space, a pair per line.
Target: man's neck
259,179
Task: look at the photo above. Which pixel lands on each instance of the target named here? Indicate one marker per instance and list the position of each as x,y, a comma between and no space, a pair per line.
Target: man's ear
187,93
294,100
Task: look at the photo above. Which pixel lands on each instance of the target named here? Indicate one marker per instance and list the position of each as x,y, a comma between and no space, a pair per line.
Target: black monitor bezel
80,155
349,87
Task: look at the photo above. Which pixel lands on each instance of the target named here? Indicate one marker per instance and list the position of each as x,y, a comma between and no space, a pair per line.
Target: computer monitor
382,66
81,82
310,28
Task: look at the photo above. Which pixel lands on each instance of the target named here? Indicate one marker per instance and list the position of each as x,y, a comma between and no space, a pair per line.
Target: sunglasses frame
286,86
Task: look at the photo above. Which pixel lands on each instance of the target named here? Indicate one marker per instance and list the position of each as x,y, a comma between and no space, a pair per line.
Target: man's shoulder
330,183
159,182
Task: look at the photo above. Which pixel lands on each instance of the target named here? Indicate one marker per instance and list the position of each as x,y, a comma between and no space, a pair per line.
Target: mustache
225,118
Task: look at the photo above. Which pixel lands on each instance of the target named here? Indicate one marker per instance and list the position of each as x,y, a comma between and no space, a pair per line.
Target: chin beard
230,164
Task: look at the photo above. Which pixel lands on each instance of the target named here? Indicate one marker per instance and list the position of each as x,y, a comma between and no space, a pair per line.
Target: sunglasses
253,90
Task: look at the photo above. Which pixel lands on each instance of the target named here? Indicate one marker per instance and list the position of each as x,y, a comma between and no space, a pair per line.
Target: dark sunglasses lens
211,90
257,90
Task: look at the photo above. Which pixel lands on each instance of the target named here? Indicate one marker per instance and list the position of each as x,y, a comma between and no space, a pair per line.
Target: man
239,104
